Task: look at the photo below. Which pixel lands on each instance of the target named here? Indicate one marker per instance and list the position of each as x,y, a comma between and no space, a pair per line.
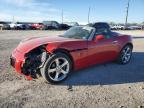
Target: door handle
114,42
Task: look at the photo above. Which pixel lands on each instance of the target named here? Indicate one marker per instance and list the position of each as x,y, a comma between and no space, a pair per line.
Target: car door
103,50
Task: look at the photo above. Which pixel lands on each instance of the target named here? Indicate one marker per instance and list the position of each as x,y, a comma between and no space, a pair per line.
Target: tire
57,68
125,55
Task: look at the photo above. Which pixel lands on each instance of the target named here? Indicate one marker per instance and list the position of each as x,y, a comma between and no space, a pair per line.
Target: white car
135,27
15,26
118,27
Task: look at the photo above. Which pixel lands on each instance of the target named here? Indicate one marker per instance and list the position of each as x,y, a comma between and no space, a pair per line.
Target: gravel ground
101,86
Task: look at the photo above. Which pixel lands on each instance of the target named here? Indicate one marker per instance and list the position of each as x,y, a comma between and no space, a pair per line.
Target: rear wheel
56,68
125,55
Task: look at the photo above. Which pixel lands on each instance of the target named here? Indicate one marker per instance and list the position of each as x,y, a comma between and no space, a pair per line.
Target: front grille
12,61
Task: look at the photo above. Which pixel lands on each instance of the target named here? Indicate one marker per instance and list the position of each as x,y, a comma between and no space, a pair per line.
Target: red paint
37,26
84,53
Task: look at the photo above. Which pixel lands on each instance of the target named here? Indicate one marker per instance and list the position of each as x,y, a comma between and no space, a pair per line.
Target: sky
73,10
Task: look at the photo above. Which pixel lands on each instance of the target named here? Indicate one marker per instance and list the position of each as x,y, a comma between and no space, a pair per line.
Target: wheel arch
67,52
130,44
127,44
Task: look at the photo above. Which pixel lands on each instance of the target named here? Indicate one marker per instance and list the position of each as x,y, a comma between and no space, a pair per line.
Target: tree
112,23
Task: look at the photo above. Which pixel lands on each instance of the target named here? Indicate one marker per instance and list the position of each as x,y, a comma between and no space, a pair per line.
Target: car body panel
83,52
31,43
102,51
77,49
19,59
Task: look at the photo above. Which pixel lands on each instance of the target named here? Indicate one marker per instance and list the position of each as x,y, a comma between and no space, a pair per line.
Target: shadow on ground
140,37
110,73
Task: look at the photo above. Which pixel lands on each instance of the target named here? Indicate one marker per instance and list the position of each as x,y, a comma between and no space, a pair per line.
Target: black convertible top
98,25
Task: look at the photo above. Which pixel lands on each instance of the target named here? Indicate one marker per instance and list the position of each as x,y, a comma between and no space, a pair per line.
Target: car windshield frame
79,32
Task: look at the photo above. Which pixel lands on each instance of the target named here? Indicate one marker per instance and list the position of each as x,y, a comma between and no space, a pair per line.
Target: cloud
18,2
5,17
29,17
29,10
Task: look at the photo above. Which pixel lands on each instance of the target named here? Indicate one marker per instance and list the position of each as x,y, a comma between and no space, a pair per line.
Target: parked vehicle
26,25
79,47
142,27
64,27
4,25
37,26
117,27
17,26
14,25
71,24
49,25
134,27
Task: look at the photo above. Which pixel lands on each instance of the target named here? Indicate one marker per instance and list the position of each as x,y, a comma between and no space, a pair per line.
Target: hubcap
126,54
58,69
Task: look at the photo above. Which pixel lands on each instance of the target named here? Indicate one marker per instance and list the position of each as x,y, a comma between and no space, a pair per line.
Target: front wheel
125,55
56,68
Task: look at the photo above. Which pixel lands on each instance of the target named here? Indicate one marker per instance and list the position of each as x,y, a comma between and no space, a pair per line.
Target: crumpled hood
31,43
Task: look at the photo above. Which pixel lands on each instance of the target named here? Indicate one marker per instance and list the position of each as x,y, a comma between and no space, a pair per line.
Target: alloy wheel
126,54
58,69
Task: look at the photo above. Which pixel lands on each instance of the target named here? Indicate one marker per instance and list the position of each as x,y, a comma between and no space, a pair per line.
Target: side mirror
99,38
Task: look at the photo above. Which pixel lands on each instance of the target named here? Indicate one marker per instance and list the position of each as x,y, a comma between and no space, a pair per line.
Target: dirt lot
101,86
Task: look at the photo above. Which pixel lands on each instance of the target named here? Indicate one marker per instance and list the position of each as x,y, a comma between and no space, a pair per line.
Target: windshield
78,32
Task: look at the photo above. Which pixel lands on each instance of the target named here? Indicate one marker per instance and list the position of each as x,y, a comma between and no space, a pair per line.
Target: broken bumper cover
16,60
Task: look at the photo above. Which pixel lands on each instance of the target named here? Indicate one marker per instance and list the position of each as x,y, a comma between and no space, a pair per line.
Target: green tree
112,23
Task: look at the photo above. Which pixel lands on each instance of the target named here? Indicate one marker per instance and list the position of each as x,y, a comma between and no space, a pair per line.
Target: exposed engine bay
35,59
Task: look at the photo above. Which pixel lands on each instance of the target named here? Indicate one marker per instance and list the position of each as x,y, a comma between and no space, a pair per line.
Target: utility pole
13,19
127,13
62,16
89,15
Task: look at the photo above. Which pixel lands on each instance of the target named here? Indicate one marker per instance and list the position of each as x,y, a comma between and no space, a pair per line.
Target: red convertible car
54,58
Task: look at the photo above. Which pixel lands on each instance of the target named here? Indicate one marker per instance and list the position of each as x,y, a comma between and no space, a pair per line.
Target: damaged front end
34,61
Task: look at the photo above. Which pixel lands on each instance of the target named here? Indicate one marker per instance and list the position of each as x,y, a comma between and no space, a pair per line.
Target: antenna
127,13
89,14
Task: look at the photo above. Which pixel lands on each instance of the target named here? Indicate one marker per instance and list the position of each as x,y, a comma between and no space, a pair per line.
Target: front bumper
16,60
